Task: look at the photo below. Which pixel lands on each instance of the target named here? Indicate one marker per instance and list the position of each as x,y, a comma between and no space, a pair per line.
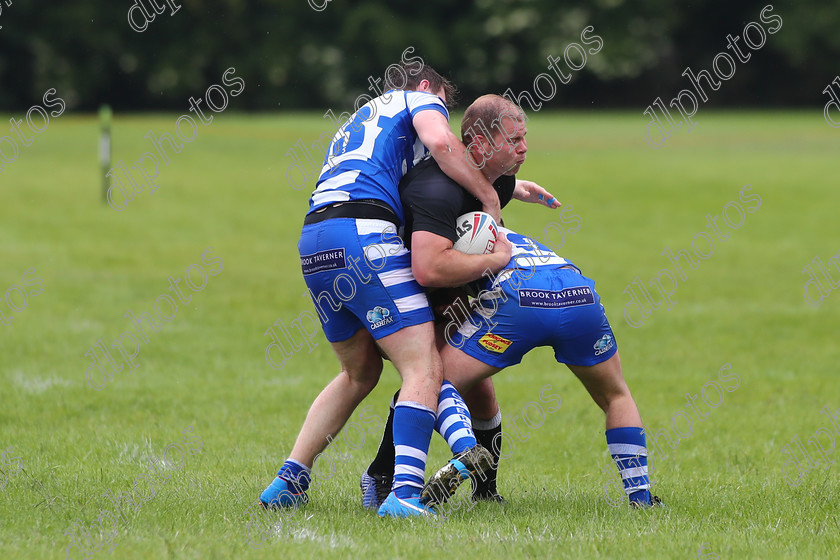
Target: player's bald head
488,112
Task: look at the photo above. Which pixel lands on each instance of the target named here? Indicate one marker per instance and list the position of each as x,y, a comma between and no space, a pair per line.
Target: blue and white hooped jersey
527,256
527,253
369,155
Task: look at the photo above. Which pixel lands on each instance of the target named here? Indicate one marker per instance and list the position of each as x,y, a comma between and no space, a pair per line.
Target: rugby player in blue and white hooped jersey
359,276
539,299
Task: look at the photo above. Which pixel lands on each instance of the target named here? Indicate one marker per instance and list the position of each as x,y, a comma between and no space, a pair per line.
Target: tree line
312,54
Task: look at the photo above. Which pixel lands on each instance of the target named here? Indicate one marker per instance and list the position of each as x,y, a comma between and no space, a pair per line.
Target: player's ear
475,144
424,85
486,145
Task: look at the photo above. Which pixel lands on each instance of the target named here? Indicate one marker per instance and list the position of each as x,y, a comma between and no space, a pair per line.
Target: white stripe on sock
627,449
632,489
449,402
635,472
410,470
448,422
458,434
409,451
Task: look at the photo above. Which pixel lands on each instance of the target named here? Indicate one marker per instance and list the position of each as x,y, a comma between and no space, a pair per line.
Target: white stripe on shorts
411,303
376,251
398,276
367,226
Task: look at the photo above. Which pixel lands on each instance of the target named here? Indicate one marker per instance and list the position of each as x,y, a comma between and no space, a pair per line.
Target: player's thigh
413,350
465,371
359,357
603,381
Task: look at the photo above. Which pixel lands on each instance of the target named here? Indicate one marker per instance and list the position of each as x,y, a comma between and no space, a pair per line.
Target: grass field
743,305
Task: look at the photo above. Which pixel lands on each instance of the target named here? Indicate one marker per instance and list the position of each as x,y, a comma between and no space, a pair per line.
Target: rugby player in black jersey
493,129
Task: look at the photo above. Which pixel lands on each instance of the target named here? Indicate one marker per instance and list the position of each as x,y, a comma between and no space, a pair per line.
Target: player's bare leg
464,371
608,389
361,366
481,400
625,434
413,352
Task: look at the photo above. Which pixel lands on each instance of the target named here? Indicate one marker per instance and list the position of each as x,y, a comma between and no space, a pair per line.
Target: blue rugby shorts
359,276
555,307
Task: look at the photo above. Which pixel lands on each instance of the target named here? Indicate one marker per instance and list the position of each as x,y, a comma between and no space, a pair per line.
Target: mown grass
723,484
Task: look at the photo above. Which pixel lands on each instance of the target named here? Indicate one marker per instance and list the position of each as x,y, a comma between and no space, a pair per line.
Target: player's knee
364,378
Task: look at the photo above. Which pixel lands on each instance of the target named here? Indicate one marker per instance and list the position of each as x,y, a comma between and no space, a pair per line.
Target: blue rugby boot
282,493
403,507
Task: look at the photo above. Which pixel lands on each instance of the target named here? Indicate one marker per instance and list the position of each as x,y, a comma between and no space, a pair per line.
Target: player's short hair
407,76
485,114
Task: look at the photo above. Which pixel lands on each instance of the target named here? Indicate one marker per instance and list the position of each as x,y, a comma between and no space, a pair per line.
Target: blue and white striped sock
453,419
627,446
297,474
413,425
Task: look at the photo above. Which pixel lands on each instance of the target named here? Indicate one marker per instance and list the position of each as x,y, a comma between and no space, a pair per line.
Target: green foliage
293,56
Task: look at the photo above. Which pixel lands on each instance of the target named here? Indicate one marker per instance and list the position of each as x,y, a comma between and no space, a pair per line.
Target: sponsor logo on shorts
495,343
554,299
332,259
379,317
604,344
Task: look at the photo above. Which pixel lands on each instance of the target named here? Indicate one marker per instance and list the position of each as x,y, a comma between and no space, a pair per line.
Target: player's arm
451,155
529,191
436,264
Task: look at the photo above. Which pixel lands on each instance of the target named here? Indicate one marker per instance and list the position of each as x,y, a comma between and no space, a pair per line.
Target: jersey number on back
356,139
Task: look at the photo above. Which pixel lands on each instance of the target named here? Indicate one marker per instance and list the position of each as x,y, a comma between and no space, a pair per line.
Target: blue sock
628,449
453,419
413,425
297,474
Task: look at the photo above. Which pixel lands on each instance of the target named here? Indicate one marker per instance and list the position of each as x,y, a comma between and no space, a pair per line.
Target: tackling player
345,256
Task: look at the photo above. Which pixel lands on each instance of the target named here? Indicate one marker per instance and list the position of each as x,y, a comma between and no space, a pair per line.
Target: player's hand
529,191
494,209
501,250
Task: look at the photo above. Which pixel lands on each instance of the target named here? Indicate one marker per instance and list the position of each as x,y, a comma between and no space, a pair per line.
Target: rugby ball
477,233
